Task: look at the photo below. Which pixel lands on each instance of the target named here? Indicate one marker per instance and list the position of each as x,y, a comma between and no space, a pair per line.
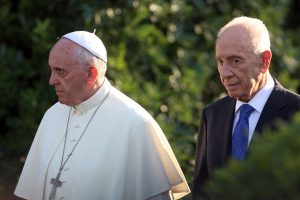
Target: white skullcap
90,41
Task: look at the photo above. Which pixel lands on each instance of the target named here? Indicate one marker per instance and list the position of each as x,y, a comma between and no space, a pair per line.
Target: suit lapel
225,128
272,108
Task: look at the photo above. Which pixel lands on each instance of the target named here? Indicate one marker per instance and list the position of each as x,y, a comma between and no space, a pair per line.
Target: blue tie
241,133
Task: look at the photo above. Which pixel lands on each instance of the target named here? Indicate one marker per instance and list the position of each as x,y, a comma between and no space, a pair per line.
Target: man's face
238,66
67,77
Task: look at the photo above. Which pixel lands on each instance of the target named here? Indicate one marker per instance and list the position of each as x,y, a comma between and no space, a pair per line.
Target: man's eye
60,72
235,61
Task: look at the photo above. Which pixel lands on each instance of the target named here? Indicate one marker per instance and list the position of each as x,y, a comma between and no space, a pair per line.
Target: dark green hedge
270,172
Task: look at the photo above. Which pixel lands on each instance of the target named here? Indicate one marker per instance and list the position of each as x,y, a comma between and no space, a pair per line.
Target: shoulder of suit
290,98
222,103
282,90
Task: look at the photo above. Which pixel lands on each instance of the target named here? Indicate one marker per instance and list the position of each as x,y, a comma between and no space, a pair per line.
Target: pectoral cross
55,184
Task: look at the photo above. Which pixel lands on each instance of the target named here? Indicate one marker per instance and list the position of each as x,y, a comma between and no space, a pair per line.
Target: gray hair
258,31
86,59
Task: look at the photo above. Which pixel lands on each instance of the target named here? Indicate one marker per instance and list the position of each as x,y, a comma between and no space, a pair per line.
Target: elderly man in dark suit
255,99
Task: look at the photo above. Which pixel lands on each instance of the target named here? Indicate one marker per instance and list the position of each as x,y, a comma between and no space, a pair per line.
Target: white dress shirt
257,102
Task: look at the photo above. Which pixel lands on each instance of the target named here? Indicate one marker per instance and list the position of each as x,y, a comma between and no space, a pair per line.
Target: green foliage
270,172
160,53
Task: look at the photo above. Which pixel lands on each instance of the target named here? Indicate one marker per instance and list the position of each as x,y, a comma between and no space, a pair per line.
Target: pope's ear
265,62
92,75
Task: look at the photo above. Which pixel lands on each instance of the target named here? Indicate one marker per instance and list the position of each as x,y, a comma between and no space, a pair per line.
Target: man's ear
92,75
266,60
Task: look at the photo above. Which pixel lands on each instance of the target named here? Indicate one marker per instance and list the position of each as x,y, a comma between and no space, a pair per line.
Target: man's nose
53,79
225,71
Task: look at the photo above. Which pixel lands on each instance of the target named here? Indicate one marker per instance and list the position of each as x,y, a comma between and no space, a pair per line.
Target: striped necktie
241,133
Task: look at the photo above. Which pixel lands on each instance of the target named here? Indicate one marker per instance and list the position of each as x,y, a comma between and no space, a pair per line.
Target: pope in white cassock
96,143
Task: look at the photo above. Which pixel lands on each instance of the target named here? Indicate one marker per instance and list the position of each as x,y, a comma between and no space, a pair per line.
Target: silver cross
55,184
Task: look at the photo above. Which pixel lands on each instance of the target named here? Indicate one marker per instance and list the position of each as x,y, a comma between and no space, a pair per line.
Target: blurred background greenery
161,54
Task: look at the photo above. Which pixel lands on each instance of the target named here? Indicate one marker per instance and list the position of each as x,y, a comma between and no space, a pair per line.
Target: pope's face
238,65
67,77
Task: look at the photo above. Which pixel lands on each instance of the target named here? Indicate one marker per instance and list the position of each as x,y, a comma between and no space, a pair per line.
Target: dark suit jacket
215,131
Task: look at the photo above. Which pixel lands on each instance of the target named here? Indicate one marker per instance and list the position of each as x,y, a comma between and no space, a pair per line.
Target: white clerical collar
94,100
260,98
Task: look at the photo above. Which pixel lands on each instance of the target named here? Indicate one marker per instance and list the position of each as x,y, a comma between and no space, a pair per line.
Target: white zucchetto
89,41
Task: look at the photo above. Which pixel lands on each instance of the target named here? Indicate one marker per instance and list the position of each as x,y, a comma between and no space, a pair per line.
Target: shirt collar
94,100
260,98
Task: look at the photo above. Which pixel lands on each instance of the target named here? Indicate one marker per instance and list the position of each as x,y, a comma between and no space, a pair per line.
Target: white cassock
123,154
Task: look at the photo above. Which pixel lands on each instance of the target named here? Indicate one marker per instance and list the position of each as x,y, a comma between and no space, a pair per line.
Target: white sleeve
167,195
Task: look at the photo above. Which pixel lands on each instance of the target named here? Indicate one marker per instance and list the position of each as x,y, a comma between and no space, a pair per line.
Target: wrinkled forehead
235,33
63,53
64,45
